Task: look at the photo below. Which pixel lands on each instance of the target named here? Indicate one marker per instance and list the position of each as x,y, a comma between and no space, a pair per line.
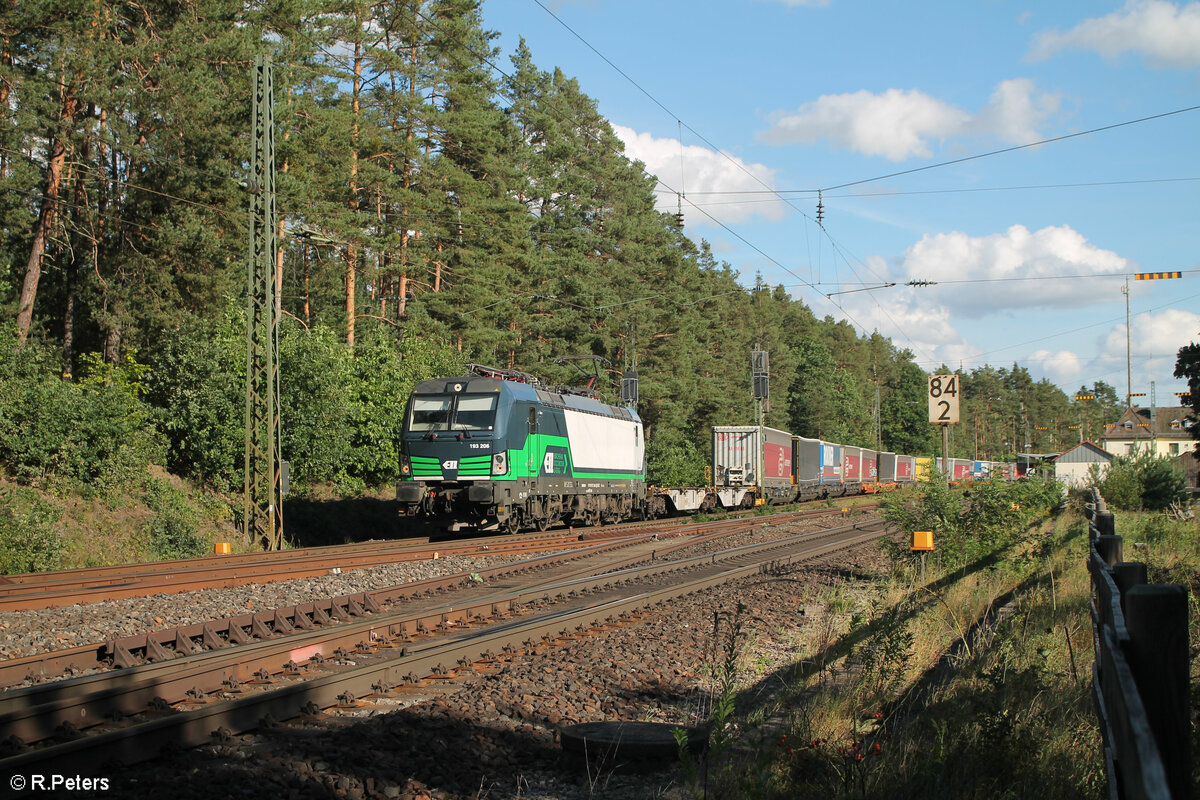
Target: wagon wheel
542,523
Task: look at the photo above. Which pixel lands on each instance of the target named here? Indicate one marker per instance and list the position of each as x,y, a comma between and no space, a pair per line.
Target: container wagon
852,465
887,467
754,456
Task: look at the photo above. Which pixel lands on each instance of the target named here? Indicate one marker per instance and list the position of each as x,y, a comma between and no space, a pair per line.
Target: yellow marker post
922,541
222,549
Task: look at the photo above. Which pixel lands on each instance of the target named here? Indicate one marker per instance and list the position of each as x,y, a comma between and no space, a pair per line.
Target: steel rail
193,727
167,644
35,713
27,591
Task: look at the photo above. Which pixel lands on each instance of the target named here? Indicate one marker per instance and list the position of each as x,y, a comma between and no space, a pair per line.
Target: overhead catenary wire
1057,334
1012,149
741,167
971,190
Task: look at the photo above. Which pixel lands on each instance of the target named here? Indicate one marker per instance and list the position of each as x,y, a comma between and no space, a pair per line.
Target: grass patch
975,683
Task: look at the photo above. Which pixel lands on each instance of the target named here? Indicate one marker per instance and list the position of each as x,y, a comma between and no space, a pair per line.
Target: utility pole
1153,421
1128,357
263,480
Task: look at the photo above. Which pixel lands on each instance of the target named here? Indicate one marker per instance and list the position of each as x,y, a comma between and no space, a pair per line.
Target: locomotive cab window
464,412
475,412
430,414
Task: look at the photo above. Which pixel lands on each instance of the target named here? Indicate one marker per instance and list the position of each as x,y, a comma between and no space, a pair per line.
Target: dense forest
438,204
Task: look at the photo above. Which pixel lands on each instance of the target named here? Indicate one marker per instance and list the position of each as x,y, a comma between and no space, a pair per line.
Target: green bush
29,539
343,409
1149,482
1163,483
172,532
196,386
95,431
672,460
938,508
969,525
1121,485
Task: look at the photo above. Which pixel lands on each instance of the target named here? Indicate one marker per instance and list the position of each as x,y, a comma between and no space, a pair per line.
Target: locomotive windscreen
464,412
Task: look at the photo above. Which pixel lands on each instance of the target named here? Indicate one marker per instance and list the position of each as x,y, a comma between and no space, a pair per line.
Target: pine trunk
41,233
351,251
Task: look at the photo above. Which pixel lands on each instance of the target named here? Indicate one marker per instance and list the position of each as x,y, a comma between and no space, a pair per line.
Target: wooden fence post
1156,617
1110,548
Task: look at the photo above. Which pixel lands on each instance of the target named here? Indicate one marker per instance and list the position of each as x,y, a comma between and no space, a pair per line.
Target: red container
905,468
745,455
852,464
870,466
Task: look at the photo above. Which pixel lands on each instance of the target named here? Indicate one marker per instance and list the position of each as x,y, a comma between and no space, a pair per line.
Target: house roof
1170,422
1085,453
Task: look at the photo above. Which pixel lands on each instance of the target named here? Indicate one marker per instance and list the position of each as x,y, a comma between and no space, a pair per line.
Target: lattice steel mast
263,483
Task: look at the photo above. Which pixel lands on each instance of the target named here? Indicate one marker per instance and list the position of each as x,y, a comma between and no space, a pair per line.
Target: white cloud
698,172
912,322
1167,34
1061,367
1016,253
1155,335
1154,344
898,124
1015,111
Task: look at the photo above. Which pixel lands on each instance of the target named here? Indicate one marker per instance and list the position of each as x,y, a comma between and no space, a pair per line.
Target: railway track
35,590
183,700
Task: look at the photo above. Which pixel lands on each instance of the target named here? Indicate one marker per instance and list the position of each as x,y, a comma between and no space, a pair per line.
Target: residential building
1135,433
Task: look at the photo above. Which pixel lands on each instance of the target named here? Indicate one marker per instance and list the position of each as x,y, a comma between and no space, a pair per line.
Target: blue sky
727,102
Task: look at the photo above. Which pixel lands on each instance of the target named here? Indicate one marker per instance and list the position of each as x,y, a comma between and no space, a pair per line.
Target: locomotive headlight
499,463
405,466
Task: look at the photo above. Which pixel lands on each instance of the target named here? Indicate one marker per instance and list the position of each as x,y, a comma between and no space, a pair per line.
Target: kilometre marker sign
943,399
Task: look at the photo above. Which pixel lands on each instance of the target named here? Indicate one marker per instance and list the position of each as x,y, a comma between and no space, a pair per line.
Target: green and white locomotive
494,450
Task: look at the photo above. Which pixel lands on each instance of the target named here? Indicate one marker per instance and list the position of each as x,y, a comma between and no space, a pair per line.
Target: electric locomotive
495,450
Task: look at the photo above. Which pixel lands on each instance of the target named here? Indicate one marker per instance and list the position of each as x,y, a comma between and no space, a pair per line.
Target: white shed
1073,466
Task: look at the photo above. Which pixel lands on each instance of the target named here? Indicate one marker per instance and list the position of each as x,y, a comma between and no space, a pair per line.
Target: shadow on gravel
416,753
310,522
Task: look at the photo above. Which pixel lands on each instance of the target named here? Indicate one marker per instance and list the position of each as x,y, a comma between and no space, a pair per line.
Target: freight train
497,450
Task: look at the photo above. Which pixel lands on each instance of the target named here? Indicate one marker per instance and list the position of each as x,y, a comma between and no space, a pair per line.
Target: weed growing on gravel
971,685
884,656
722,670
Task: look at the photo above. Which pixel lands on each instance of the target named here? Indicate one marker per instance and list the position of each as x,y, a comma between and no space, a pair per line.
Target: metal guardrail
1140,675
